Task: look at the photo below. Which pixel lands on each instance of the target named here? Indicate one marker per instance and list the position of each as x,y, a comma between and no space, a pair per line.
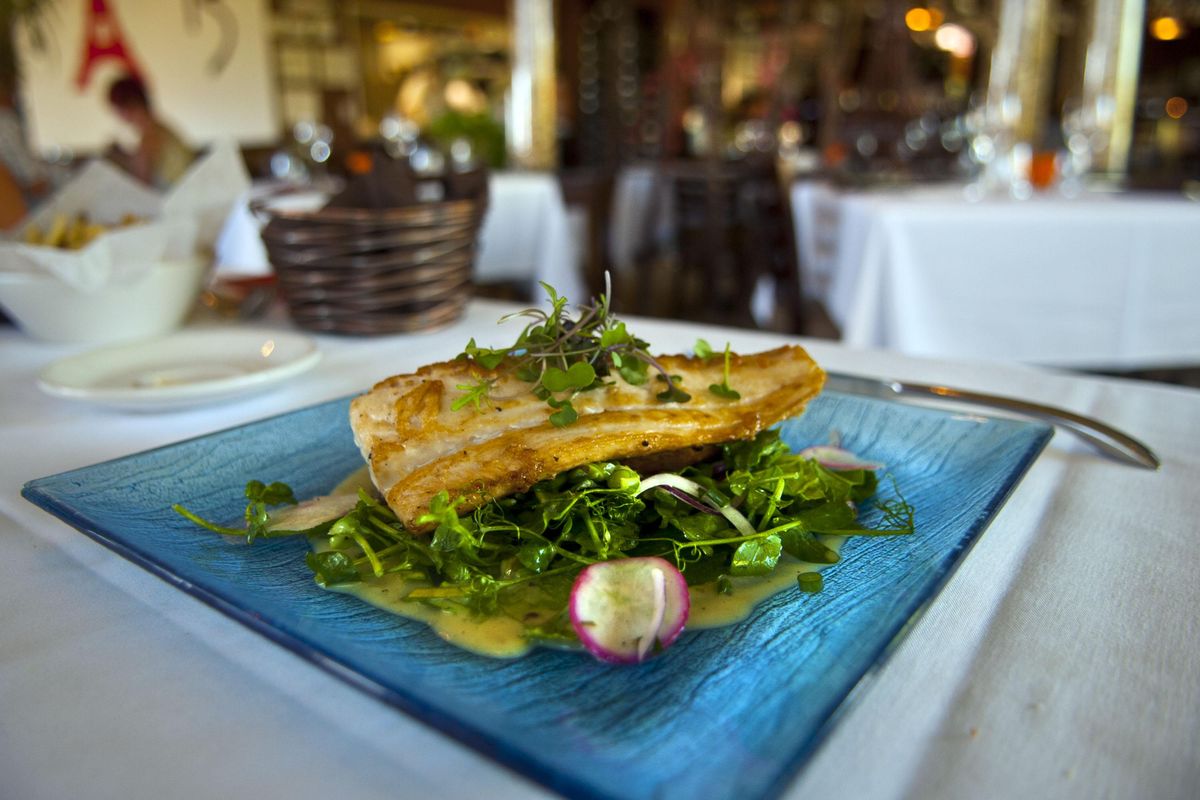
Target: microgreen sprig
703,350
562,356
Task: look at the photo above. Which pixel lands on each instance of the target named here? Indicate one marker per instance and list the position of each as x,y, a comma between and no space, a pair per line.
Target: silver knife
1104,438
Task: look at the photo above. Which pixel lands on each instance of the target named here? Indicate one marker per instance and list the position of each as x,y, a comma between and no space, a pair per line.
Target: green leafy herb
332,567
473,394
673,394
723,389
561,356
274,494
756,556
260,498
565,414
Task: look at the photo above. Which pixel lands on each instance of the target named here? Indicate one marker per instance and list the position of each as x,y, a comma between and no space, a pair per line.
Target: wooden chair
592,191
734,231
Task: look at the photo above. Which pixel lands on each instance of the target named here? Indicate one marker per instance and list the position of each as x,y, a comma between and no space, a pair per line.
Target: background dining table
1095,279
1060,661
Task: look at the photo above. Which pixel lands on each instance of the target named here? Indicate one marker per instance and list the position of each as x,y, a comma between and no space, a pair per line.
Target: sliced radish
623,610
312,513
837,458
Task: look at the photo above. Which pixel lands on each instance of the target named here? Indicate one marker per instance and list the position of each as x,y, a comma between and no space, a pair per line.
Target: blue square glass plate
731,712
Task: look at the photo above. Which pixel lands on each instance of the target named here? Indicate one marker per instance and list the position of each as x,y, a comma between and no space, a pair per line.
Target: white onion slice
736,518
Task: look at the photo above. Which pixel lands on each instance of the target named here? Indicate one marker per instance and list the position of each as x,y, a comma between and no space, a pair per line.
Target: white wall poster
206,65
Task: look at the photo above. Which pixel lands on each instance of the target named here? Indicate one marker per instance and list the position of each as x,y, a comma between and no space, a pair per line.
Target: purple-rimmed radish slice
837,458
626,609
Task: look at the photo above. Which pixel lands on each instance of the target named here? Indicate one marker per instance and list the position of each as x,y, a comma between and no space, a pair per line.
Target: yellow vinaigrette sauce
503,636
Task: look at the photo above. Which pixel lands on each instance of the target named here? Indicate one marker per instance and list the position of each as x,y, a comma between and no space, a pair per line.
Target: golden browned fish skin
417,446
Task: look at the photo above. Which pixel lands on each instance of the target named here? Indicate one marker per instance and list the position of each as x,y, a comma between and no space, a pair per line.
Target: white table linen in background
526,237
1097,281
1060,661
641,215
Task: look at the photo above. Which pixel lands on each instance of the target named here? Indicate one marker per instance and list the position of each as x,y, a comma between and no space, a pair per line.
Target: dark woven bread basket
360,271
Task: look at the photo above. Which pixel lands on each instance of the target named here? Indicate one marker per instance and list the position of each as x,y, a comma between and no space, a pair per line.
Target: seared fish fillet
417,446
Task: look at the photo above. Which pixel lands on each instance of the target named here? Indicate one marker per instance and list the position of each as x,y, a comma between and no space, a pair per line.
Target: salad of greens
540,541
742,513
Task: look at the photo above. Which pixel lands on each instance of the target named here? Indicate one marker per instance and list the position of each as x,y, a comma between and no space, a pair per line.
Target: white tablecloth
640,216
1096,281
526,238
1061,661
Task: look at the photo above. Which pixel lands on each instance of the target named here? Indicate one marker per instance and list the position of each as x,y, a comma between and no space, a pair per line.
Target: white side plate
185,369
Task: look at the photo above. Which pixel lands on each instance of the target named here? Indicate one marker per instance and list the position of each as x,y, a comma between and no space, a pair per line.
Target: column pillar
531,114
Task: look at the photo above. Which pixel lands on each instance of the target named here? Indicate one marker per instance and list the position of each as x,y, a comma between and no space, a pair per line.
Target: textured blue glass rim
920,603
410,704
497,748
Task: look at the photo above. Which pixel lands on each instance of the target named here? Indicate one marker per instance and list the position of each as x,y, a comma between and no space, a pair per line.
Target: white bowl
155,302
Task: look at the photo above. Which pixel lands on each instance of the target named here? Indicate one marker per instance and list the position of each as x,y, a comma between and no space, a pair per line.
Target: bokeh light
918,19
1166,29
955,39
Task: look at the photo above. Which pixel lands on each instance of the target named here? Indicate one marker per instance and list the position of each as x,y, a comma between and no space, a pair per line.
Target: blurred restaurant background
716,160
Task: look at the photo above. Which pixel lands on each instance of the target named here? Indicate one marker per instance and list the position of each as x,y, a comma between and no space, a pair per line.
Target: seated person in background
161,157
